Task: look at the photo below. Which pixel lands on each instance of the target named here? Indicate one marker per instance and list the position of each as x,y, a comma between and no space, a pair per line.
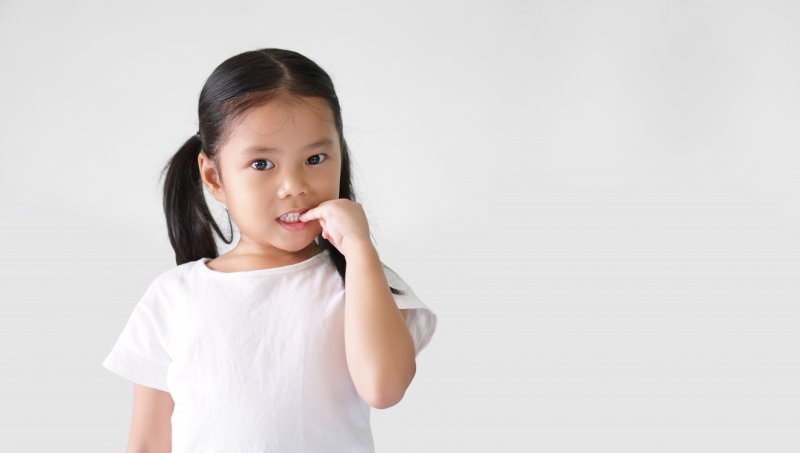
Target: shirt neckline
201,264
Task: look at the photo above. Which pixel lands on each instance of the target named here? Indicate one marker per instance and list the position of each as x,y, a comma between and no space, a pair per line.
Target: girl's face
280,156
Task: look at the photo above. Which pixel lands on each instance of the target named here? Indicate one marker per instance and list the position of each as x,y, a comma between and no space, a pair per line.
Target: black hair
244,81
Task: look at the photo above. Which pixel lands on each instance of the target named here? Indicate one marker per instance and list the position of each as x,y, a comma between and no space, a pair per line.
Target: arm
379,347
151,425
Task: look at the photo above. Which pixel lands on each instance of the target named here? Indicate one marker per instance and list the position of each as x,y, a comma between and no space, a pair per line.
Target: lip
297,226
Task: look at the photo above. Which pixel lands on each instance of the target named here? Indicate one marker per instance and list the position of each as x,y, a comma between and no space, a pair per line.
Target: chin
300,245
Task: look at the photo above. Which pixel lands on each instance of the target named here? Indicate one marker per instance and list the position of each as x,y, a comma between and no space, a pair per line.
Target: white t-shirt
255,360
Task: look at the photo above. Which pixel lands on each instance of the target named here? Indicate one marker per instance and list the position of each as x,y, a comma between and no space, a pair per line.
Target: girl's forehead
280,113
290,104
284,121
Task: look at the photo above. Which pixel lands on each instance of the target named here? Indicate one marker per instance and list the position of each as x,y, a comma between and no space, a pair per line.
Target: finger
309,215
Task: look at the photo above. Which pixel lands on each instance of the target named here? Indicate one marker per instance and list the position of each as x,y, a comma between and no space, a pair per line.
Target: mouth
292,225
290,217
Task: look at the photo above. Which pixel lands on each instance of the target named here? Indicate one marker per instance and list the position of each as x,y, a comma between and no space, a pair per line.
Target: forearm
379,348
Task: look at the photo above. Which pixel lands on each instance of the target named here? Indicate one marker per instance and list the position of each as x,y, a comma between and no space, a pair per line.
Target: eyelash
265,160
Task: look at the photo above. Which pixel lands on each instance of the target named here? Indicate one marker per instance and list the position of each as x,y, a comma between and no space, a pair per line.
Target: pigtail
189,220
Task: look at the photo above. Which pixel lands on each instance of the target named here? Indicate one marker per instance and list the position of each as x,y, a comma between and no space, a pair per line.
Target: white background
598,199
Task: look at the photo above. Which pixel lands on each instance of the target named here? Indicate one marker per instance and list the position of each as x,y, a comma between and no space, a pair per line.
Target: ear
210,176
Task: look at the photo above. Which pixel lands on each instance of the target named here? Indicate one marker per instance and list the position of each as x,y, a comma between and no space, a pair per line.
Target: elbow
385,393
385,397
135,449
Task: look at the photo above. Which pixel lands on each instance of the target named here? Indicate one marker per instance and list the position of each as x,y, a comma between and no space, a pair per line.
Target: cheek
332,184
324,188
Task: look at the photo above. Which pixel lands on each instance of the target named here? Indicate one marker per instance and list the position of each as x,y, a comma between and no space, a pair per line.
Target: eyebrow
255,149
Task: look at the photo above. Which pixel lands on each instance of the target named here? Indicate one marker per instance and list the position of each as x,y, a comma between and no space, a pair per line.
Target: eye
259,160
315,155
315,159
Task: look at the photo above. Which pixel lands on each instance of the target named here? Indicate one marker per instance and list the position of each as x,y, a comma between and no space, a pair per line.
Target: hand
343,222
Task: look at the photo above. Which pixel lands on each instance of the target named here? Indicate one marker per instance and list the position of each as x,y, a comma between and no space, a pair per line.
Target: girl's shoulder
409,298
394,279
174,276
169,288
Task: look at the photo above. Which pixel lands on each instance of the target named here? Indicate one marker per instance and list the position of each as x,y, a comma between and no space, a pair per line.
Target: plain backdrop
598,199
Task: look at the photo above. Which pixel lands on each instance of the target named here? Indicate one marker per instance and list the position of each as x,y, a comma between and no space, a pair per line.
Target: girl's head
274,158
268,98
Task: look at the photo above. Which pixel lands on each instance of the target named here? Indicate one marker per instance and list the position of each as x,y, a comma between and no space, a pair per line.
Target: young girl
283,343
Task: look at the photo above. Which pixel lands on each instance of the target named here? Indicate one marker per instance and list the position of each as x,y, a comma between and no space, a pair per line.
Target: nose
293,183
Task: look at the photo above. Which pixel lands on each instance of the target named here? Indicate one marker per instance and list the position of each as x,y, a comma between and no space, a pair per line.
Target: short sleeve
420,319
139,354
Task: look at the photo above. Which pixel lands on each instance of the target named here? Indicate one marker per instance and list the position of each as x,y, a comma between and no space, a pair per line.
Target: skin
151,424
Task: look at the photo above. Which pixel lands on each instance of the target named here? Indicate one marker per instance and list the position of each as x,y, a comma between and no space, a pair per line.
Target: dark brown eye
259,161
315,155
